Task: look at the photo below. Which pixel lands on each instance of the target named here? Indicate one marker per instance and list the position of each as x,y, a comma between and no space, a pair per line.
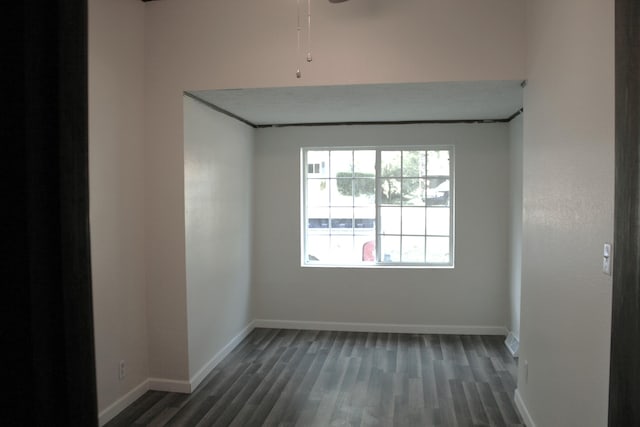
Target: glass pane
342,218
390,220
317,192
318,221
318,161
390,249
364,190
412,249
438,162
367,245
413,164
318,246
364,162
413,192
438,250
341,191
391,163
341,163
342,250
438,220
438,191
390,191
413,221
365,218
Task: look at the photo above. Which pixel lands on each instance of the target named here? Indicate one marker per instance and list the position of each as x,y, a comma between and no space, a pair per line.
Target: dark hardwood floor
279,377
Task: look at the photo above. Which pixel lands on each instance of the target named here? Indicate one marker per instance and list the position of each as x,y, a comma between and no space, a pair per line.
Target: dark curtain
47,335
624,384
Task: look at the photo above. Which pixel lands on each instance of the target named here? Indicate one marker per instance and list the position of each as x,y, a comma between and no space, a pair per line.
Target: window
378,206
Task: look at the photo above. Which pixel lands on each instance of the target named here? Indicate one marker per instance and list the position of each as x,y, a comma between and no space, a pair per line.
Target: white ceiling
485,100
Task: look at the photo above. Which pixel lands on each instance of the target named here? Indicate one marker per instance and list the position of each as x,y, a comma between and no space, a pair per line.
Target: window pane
390,249
438,250
391,163
318,246
413,221
341,163
364,162
413,164
390,220
364,190
317,192
341,191
412,249
342,218
342,250
413,192
367,245
318,222
438,220
438,192
438,162
320,158
365,218
390,191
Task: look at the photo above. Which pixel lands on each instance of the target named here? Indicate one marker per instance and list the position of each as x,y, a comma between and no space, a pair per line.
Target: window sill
379,266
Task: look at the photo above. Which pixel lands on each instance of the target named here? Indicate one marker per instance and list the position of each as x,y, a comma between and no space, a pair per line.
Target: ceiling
444,101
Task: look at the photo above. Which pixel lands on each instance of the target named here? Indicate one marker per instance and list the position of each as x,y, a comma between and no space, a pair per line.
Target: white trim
522,409
172,386
381,327
116,407
513,344
197,378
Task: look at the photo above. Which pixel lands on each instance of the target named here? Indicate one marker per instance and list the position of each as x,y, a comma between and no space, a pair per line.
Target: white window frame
378,263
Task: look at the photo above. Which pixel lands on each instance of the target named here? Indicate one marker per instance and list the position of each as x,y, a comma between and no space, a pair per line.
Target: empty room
362,212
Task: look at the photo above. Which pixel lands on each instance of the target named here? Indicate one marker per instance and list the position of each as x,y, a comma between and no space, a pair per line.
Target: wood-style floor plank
278,377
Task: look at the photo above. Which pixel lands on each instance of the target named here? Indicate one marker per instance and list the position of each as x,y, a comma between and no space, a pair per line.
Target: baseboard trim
522,408
171,386
116,407
512,342
197,378
381,327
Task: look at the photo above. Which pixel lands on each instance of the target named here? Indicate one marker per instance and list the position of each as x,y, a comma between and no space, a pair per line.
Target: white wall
116,175
218,168
515,223
202,44
474,293
568,211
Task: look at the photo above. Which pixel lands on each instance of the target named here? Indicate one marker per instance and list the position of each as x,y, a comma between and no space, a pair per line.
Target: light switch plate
606,259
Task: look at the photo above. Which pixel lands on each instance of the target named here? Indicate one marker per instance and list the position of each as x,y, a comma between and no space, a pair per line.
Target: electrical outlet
121,370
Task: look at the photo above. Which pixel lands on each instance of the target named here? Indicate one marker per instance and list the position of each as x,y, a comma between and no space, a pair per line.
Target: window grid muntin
377,203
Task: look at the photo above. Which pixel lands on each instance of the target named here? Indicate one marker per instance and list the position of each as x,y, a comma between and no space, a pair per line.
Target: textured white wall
202,44
515,223
568,211
218,174
116,177
474,293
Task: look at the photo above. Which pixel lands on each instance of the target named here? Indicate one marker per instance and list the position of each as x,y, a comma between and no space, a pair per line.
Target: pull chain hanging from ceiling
298,32
298,72
309,58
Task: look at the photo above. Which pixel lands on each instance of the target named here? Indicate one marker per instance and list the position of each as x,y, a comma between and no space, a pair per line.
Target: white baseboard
513,344
381,327
171,386
522,408
116,407
217,358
